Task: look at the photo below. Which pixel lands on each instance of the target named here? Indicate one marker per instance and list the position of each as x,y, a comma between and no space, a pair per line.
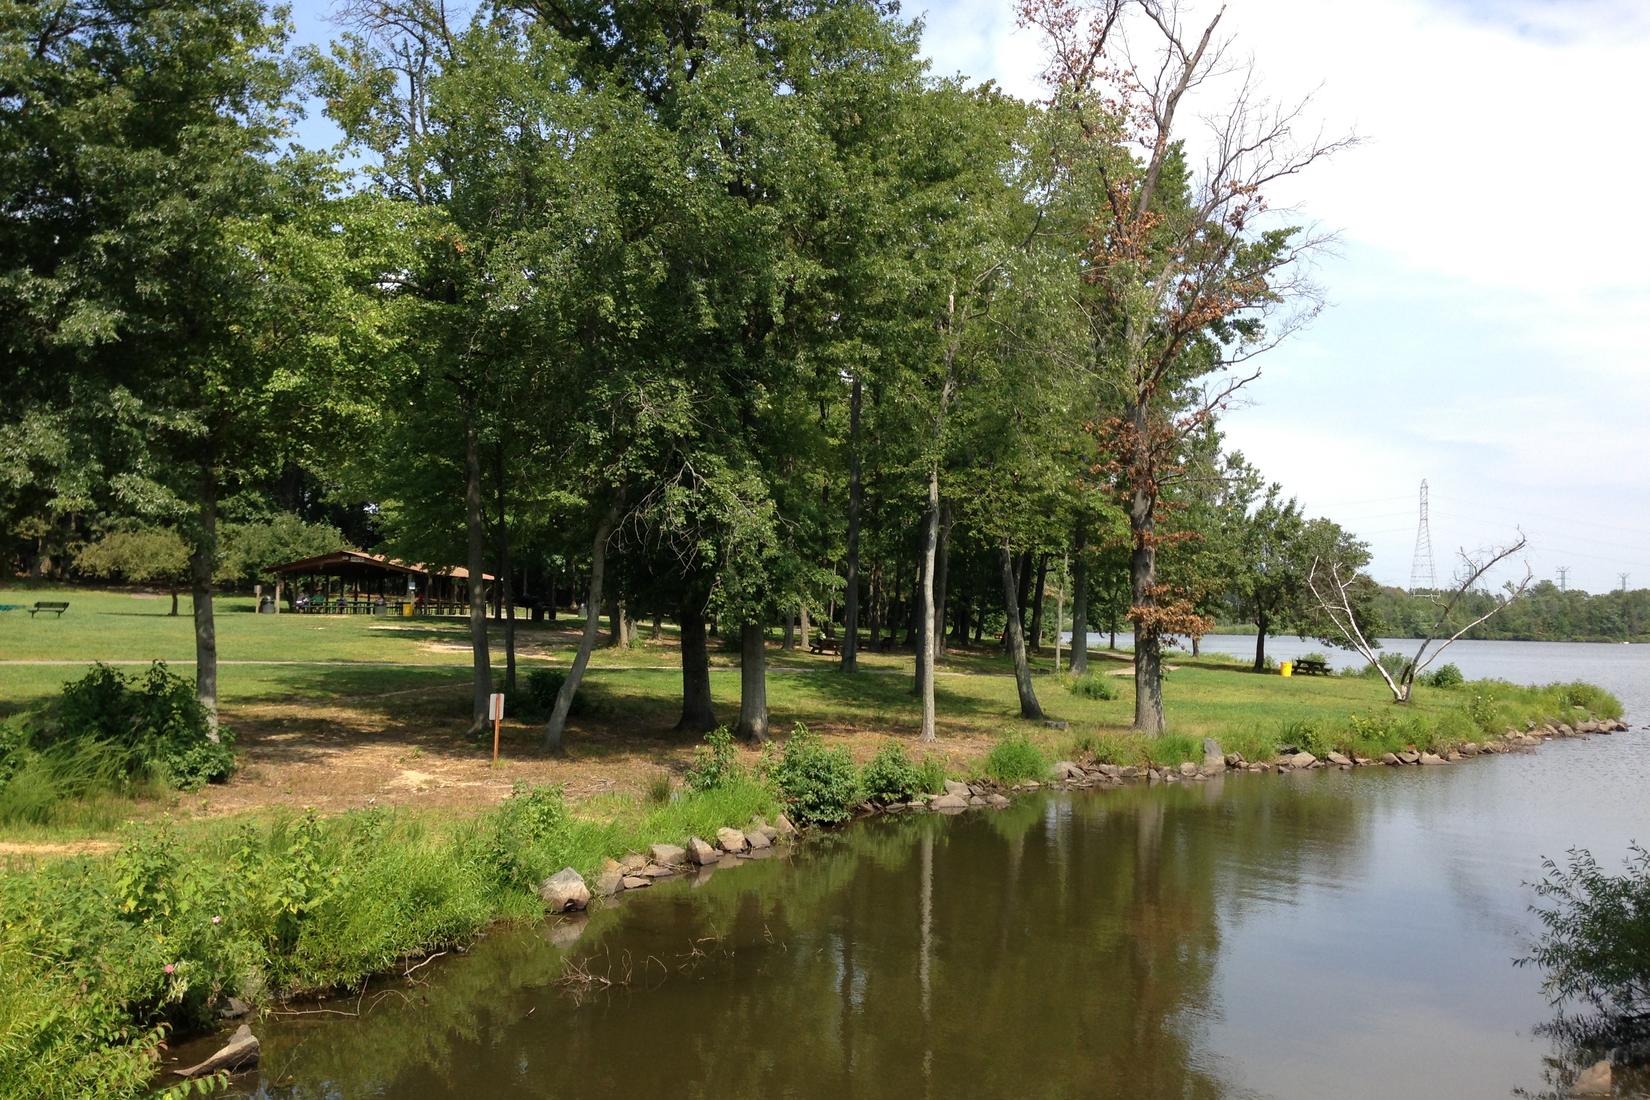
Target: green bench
55,606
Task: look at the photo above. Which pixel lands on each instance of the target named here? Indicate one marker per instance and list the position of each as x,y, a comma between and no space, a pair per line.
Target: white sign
495,707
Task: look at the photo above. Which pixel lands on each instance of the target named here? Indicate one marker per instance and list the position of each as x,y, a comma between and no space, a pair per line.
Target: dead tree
1188,276
1332,591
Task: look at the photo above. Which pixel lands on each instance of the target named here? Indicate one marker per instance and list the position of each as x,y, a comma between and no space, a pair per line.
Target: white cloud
1489,326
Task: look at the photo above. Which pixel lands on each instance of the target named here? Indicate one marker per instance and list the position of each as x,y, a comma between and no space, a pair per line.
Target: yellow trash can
407,610
1286,668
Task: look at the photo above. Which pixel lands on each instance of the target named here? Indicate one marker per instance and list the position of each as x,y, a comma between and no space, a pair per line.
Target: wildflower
169,968
217,920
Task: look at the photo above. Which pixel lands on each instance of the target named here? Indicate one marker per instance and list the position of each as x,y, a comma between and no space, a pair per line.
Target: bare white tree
1332,590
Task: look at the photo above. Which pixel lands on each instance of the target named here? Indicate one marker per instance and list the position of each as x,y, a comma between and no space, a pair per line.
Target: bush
152,727
537,698
715,763
931,773
891,777
1445,676
1394,663
1595,942
819,785
1014,760
1091,687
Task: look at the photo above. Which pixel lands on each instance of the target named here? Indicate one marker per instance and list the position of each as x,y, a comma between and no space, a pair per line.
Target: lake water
1322,934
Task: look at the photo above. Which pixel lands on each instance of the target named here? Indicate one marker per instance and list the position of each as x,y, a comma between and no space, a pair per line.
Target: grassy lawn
342,712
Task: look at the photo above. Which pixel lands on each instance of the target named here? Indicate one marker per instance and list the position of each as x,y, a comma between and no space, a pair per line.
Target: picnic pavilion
350,582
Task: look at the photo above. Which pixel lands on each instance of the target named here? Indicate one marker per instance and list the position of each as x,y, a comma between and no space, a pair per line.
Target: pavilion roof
341,560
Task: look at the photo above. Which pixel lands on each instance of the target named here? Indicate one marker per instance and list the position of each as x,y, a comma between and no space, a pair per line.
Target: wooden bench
825,645
55,606
1309,666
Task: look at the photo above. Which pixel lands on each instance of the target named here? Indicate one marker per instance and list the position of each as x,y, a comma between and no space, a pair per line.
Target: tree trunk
753,683
942,567
875,616
557,725
790,633
482,680
1017,640
1022,576
1260,641
1080,605
856,500
203,558
698,716
1037,601
1148,651
804,625
507,595
615,626
927,639
658,622
174,603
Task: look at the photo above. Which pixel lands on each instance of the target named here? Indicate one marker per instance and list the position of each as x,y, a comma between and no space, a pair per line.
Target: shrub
890,776
715,763
659,788
543,685
931,774
1092,687
1014,760
1394,663
1595,941
1445,676
819,785
154,726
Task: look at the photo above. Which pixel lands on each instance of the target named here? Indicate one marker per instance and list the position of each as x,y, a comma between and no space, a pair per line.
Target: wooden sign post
495,711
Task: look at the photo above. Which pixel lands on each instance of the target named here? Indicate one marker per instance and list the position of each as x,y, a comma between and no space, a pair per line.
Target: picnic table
57,607
823,644
1311,666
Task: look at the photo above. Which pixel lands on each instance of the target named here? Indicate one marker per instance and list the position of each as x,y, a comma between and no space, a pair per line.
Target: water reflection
1064,946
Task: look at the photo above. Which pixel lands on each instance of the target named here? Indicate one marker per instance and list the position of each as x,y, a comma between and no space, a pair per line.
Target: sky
1487,325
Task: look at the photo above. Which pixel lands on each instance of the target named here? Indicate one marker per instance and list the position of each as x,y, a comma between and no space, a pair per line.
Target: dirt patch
25,850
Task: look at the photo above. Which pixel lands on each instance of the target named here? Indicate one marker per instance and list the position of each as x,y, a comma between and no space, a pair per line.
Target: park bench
1311,666
55,606
823,644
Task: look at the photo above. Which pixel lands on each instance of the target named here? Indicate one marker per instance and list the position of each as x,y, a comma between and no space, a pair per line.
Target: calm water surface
1325,934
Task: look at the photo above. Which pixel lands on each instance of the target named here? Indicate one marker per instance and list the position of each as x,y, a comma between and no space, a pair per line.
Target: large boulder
564,891
1338,759
783,824
730,840
1431,758
961,790
948,803
756,840
669,855
1302,760
700,852
1064,770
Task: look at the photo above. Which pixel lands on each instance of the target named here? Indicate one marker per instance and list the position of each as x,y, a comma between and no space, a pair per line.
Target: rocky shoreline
567,892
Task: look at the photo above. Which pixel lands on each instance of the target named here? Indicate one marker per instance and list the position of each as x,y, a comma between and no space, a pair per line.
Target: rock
609,883
1065,769
1188,769
1110,771
1409,756
1389,758
913,806
1452,756
632,863
1564,730
1128,771
948,803
1302,760
669,855
1596,1080
952,786
756,840
1032,785
1339,760
699,852
1056,724
1235,760
242,1050
730,840
997,801
657,870
564,890
1491,747
233,1008
636,882
1431,758
773,834
1470,749
1211,748
783,824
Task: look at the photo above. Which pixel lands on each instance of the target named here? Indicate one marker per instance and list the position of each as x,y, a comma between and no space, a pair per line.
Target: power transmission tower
1421,575
1624,577
1563,578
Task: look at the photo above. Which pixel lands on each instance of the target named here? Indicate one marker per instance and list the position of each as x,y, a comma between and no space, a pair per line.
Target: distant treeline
1545,614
